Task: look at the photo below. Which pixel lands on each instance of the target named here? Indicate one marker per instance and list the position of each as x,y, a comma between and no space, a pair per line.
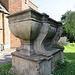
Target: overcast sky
55,8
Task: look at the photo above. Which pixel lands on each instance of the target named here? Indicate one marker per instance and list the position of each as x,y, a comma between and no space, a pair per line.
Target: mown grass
66,68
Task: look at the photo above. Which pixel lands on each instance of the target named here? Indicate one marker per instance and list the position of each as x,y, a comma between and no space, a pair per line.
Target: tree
68,21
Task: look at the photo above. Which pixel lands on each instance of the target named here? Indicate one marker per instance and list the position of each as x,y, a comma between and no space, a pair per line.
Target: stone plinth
31,65
39,37
35,64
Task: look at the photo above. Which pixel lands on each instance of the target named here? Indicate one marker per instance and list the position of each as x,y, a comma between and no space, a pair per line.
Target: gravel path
5,56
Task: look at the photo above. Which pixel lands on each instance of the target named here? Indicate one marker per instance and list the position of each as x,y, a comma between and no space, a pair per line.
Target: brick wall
28,4
14,42
24,6
19,5
12,6
15,6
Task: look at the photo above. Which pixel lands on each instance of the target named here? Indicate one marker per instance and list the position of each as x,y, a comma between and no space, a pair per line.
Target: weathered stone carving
39,37
57,36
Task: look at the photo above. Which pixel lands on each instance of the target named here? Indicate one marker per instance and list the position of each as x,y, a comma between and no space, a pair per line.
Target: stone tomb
39,37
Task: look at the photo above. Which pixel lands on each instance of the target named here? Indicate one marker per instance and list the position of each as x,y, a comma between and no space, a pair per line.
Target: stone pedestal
35,64
31,65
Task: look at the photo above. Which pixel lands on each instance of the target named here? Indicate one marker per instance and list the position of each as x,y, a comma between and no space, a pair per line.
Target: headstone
39,37
63,40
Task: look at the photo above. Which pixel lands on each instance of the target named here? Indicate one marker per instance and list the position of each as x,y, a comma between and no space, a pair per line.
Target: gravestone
63,40
39,37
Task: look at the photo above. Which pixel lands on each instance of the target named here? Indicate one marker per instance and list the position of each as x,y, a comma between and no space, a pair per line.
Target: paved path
5,56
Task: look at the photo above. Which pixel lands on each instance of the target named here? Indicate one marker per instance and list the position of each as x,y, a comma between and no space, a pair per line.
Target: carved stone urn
39,37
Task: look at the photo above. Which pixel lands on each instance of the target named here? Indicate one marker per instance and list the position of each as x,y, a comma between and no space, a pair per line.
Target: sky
55,8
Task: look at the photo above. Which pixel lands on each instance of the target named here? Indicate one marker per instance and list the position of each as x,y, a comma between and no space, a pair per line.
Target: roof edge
33,3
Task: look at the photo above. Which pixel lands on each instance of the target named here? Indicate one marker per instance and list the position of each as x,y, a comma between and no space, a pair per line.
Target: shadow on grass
70,57
68,67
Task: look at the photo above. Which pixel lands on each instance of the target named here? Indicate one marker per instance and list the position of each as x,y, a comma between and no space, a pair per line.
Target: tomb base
35,64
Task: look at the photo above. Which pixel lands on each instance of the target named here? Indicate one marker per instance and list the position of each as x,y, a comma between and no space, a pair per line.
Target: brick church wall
19,5
14,6
26,5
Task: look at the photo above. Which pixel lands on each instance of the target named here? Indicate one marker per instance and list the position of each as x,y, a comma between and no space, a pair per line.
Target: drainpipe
3,29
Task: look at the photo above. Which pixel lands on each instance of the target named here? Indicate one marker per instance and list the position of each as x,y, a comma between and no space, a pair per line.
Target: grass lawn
68,68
